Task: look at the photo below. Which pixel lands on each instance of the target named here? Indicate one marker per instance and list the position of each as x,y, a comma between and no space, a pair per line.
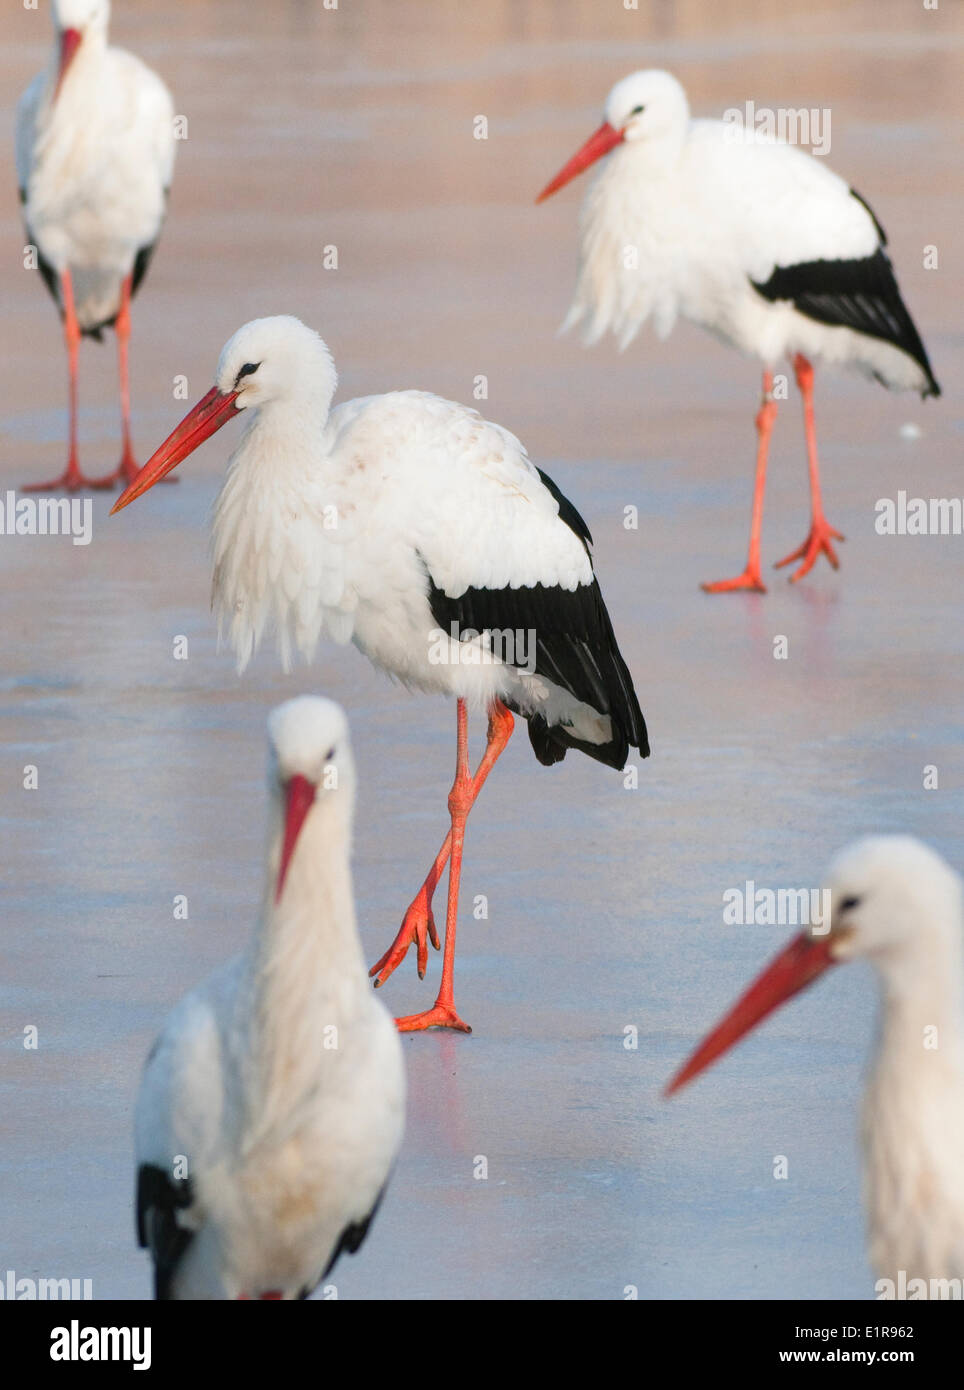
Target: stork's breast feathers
281,559
343,536
96,165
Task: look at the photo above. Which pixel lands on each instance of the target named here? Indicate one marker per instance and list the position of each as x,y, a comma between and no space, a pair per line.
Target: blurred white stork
896,903
272,1104
753,239
411,526
95,153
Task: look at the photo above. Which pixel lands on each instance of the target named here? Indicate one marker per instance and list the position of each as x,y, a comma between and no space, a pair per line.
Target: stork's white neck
636,160
921,1025
83,71
307,974
276,483
913,1123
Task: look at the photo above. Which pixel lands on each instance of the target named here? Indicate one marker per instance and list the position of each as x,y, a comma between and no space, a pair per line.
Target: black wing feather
873,216
52,280
860,294
567,511
141,261
576,649
349,1241
50,277
159,1198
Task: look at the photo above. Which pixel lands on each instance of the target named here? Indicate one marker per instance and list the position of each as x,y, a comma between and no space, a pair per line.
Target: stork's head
276,359
272,362
75,20
894,901
647,106
83,15
311,765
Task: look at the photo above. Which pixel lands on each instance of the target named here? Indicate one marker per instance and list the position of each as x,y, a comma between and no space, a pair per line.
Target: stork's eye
329,755
246,370
849,903
637,110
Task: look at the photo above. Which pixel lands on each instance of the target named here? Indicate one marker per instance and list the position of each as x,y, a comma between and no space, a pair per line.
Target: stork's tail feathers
596,672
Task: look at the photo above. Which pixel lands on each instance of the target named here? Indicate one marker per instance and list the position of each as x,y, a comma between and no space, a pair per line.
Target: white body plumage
913,1110
94,165
685,214
277,1088
331,521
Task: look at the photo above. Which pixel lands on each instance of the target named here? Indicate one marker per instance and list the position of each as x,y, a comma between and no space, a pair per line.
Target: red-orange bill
210,413
797,966
598,144
299,798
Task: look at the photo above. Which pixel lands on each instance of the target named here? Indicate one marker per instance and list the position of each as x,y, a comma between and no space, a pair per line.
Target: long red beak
69,43
207,417
299,797
797,966
595,147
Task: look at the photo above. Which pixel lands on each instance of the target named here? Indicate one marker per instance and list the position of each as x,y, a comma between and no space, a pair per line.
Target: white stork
95,153
896,903
421,532
272,1104
754,239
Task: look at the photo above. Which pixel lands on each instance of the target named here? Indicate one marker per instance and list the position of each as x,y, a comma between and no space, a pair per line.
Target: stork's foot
418,928
818,542
72,480
750,579
439,1016
128,469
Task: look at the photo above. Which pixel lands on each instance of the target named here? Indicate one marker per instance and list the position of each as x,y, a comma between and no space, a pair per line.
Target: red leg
72,479
418,924
751,577
122,327
821,532
127,470
465,789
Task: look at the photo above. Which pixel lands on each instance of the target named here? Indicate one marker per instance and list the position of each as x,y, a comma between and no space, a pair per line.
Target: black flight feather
860,294
576,649
159,1198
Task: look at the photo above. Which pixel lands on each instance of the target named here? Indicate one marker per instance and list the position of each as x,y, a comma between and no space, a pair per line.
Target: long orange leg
821,532
418,924
465,789
128,469
72,479
122,327
751,577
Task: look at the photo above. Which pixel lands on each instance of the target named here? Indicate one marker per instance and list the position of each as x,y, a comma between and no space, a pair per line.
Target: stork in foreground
272,1105
896,903
753,239
421,532
95,153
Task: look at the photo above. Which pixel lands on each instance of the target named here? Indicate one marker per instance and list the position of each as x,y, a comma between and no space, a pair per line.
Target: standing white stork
95,154
272,1104
411,526
896,903
753,239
